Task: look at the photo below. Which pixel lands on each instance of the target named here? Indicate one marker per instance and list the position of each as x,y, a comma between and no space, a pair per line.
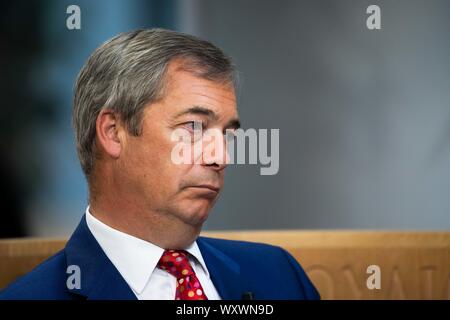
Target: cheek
150,160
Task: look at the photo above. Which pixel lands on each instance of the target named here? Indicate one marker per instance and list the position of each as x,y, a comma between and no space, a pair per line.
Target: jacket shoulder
45,282
260,260
242,248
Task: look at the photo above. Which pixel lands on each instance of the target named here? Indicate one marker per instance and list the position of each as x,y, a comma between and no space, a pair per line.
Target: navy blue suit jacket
236,267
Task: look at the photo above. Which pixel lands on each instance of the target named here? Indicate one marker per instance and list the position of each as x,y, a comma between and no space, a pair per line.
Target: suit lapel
99,278
225,272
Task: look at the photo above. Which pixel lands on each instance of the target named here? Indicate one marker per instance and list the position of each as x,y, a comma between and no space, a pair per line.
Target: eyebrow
233,123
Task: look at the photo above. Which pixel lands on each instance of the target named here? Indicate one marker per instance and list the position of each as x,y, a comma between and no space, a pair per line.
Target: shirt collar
134,258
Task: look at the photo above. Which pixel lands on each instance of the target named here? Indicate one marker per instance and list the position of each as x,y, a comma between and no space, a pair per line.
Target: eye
195,129
194,126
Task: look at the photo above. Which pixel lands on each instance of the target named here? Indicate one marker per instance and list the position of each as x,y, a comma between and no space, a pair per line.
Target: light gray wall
364,116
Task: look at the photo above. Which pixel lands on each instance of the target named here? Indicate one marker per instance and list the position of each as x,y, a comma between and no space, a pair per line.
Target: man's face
182,191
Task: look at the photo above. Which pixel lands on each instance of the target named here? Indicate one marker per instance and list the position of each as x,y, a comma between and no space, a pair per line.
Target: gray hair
127,72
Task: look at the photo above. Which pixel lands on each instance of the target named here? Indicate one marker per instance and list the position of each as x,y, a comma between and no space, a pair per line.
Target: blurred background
364,115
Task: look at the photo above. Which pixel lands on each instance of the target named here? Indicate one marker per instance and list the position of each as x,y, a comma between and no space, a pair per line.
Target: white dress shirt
136,260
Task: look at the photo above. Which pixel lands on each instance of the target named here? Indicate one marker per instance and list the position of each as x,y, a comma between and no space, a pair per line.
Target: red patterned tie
177,264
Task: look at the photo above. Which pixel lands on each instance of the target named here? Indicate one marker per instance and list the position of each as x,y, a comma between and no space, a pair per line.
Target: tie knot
176,263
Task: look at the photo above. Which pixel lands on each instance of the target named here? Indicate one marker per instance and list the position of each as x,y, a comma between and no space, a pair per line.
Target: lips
208,186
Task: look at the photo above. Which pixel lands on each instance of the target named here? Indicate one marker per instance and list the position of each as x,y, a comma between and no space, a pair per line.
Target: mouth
208,187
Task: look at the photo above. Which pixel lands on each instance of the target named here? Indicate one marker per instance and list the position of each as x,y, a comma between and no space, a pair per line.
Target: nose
215,153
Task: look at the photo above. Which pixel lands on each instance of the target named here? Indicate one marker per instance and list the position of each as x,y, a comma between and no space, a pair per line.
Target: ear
109,133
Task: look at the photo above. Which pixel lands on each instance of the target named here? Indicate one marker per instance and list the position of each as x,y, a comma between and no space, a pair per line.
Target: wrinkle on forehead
175,75
223,93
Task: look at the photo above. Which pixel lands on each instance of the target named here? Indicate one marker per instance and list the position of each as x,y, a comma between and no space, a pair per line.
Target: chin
196,214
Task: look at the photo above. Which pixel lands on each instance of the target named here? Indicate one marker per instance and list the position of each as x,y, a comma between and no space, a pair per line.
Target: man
139,238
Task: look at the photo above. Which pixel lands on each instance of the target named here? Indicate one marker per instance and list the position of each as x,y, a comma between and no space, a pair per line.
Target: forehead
184,90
